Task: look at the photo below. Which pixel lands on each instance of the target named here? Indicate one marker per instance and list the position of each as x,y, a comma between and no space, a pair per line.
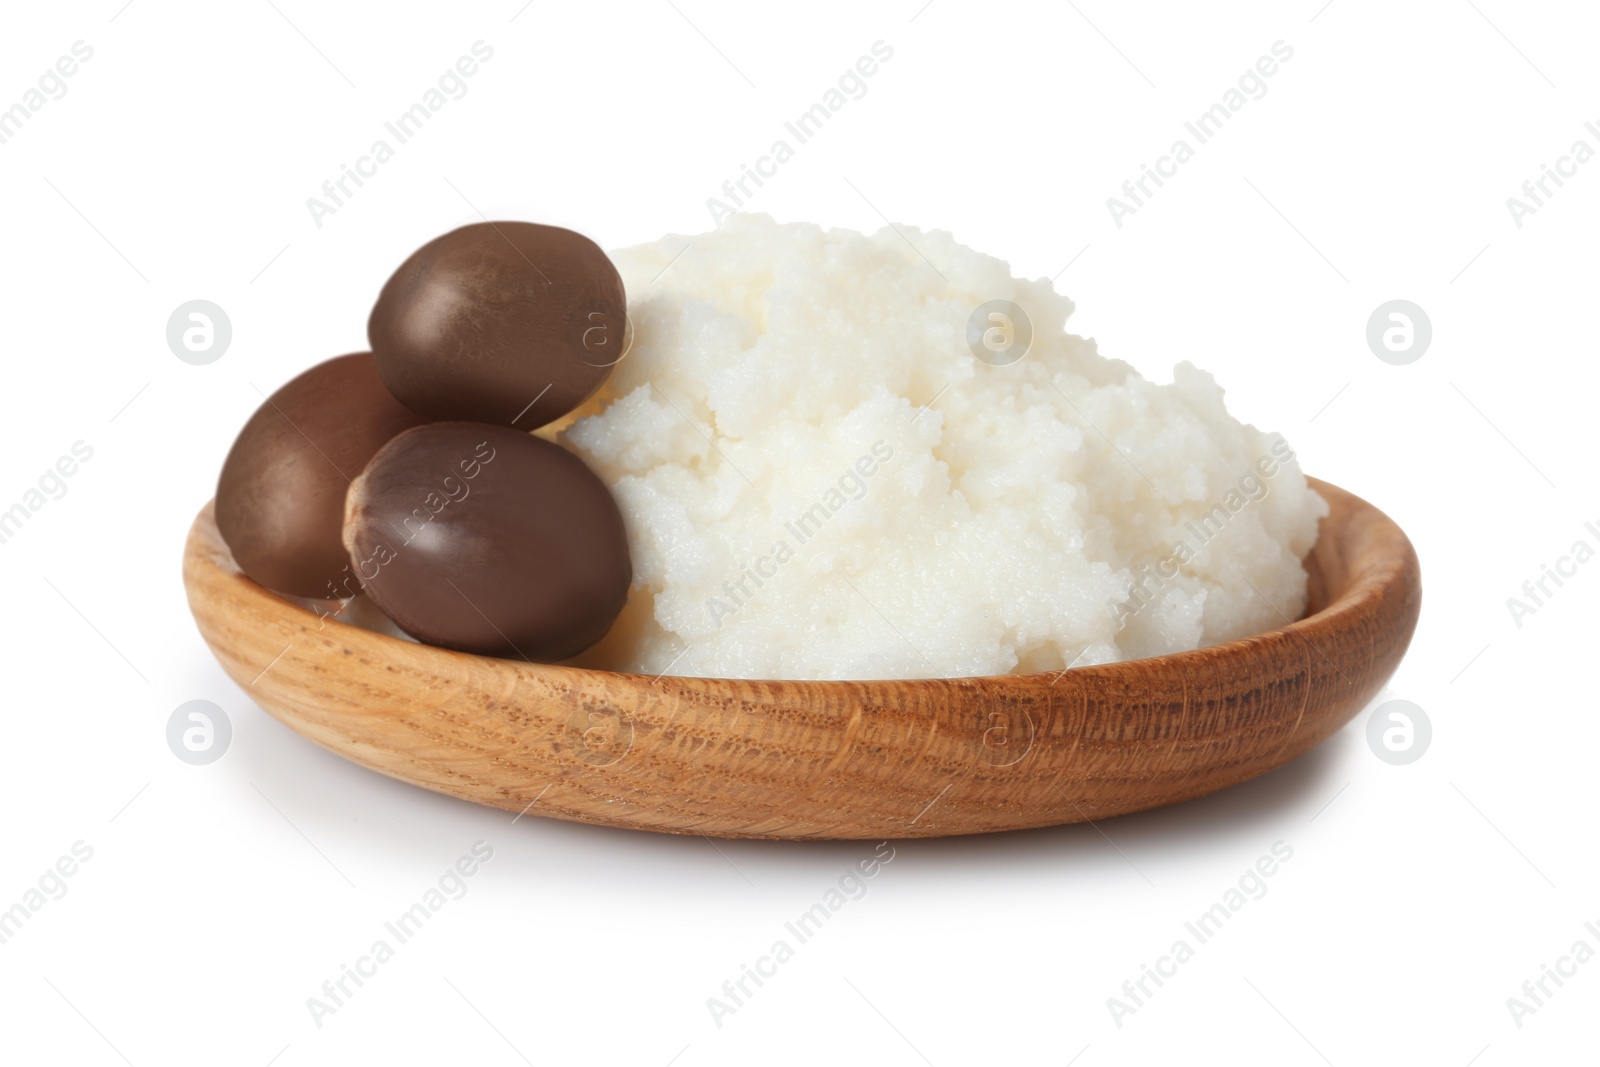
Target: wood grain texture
874,760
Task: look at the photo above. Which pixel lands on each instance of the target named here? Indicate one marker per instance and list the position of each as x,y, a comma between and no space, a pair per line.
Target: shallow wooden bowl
875,760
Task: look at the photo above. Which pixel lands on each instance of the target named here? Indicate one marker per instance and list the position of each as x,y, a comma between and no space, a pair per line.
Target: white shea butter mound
820,479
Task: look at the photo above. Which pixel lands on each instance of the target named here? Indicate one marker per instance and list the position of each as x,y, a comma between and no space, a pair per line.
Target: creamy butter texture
820,479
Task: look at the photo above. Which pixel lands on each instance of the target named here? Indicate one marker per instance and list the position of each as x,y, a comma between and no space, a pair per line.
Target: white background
1377,166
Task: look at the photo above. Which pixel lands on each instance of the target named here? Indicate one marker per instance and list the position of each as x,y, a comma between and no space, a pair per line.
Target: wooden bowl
872,759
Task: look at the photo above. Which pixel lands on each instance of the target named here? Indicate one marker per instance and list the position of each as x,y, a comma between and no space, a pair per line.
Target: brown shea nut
512,323
280,497
486,539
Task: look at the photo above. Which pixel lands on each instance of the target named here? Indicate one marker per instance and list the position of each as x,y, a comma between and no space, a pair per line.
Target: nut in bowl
645,620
